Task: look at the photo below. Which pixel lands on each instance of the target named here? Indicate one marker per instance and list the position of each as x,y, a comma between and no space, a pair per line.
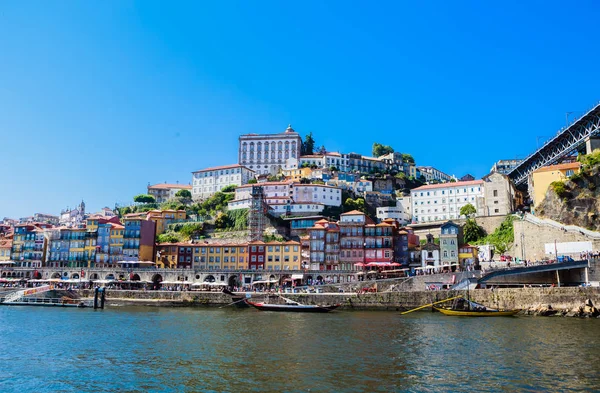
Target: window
495,193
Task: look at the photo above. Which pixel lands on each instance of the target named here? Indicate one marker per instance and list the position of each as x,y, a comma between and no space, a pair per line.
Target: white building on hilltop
434,175
267,153
208,181
290,197
163,192
442,202
73,217
400,212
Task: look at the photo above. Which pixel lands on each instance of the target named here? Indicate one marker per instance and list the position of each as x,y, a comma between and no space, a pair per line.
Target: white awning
297,276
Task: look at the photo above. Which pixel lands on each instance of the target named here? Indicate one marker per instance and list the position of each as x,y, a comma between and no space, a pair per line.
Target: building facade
505,166
542,178
28,245
400,212
267,153
499,195
449,243
441,202
432,174
290,198
164,192
163,218
138,238
207,182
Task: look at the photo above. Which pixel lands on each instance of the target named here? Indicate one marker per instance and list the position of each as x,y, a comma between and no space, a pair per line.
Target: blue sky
98,99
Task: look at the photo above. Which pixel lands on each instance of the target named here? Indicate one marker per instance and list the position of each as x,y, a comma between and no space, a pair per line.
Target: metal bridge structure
566,142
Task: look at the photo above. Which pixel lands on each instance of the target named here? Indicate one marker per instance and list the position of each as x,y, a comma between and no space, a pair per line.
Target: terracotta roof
269,183
116,226
446,185
164,186
558,167
216,168
353,212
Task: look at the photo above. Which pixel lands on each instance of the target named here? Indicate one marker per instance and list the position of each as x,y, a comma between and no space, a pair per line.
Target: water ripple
209,350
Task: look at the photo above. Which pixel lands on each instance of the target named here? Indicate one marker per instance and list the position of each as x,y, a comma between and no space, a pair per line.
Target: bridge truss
566,142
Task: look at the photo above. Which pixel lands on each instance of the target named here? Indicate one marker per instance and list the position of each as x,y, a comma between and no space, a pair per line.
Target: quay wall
565,298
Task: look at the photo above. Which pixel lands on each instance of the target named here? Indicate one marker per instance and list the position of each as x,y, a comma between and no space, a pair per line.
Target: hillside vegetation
576,201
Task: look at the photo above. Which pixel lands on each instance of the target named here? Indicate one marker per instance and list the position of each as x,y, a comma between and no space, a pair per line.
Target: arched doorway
233,282
209,278
94,276
134,277
55,275
109,277
37,275
75,276
156,280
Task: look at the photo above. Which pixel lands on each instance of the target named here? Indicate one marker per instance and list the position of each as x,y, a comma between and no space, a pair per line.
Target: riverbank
533,301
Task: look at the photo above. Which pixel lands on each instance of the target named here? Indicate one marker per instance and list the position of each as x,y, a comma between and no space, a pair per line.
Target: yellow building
5,248
220,256
166,255
467,255
297,174
77,257
543,177
162,218
115,243
282,255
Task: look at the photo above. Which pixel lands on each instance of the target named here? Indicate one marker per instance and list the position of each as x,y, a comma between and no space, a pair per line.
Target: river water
142,349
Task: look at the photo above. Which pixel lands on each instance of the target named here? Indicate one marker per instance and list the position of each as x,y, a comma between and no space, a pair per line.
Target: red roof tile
446,185
164,186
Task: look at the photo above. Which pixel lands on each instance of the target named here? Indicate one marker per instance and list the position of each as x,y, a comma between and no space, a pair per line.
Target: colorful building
166,255
449,243
467,255
162,218
256,255
220,256
28,247
379,244
5,248
542,178
164,192
138,238
116,243
282,255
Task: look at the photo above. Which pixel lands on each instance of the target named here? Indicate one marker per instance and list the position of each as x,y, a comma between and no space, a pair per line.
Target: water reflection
151,349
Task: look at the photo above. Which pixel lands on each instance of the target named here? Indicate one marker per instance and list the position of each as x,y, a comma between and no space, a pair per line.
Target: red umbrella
359,264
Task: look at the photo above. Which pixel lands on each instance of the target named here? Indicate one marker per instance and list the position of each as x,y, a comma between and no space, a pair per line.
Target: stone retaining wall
522,298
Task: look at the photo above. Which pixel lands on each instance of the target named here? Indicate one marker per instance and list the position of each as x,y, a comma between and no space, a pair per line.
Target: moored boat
462,307
291,306
237,299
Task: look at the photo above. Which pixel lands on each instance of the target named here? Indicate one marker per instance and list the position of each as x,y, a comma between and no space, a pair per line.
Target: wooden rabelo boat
462,307
237,299
292,306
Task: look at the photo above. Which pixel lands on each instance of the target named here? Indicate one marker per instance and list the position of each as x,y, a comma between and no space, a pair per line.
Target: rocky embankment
586,310
575,201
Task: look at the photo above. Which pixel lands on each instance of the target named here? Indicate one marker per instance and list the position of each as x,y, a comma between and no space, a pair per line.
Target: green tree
381,150
221,221
472,232
503,237
169,237
229,188
467,210
252,181
308,146
322,150
144,198
452,180
185,194
408,158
